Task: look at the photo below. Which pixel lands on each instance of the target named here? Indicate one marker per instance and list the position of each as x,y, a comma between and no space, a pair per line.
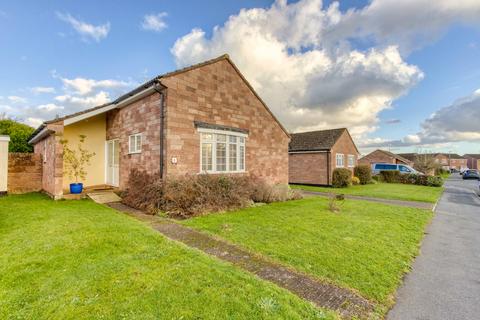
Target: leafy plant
355,181
342,178
364,173
19,134
335,201
75,161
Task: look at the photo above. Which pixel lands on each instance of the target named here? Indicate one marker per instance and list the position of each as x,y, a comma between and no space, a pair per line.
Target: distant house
473,161
446,160
314,155
383,156
205,118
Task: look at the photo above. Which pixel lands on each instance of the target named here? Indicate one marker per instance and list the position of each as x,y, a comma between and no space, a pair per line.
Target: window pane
207,159
139,143
221,157
131,144
241,157
116,153
207,136
232,139
232,157
241,139
221,137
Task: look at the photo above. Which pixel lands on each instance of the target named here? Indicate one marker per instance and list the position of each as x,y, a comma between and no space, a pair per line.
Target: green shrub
189,195
342,178
19,134
364,173
435,181
390,176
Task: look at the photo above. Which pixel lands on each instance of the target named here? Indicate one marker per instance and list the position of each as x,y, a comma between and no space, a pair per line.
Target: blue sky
380,79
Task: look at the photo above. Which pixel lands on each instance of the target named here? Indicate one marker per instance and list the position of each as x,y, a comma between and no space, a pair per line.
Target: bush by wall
364,173
342,178
417,179
390,176
186,196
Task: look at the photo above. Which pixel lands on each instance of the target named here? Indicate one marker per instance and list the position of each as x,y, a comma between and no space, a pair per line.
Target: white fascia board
89,114
109,107
226,131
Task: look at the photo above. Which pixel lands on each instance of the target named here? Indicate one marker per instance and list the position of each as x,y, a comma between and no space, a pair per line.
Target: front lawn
395,191
80,260
367,246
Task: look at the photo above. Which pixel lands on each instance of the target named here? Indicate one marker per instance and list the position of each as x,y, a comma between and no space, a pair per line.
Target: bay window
222,151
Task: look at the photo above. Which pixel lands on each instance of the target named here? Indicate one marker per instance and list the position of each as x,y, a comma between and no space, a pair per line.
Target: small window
135,143
340,163
351,161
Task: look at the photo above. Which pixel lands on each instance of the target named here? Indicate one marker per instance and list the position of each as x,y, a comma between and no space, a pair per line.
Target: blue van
403,168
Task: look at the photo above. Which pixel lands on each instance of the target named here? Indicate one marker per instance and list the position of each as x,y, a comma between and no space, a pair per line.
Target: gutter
161,91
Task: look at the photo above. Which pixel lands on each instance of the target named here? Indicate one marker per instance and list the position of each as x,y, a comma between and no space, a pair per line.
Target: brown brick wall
308,168
378,156
473,163
52,176
346,146
216,94
142,116
24,172
458,163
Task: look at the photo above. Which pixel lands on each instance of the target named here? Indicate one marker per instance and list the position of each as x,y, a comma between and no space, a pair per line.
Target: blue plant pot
76,188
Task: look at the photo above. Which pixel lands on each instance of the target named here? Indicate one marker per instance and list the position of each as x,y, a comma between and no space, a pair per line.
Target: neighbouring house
205,118
383,156
445,160
314,155
473,161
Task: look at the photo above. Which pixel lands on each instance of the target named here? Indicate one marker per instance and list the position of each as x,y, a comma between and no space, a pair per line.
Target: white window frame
228,133
342,157
135,150
351,157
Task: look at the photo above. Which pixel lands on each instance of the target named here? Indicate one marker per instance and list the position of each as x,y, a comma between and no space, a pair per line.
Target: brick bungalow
314,155
473,161
205,118
383,156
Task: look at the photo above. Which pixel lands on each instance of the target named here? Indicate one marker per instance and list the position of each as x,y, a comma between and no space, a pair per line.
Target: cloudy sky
403,75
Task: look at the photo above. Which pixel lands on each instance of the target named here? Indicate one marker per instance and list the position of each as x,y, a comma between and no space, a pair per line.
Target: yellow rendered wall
95,131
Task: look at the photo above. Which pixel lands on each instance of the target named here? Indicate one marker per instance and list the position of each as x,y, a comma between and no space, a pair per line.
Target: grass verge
367,246
80,260
395,191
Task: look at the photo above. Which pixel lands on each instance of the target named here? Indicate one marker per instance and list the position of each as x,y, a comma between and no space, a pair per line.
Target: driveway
445,280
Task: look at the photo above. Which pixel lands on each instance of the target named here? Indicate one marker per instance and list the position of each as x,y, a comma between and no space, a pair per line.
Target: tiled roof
322,140
396,156
472,155
155,80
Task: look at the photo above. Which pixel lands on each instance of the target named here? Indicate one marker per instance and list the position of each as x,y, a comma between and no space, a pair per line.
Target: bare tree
425,162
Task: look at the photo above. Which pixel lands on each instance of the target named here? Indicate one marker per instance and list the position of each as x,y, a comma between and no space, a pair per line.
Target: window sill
137,152
221,172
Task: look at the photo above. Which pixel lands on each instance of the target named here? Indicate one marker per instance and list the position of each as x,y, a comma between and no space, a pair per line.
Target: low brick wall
24,172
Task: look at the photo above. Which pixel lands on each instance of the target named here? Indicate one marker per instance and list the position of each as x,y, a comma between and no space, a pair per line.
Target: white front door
112,163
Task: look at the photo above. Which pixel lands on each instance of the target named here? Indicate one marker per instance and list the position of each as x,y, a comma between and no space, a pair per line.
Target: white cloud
49,107
33,122
84,86
86,30
454,123
154,22
308,85
305,61
38,90
17,99
77,103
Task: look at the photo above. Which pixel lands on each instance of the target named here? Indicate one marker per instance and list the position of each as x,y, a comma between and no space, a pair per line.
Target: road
444,283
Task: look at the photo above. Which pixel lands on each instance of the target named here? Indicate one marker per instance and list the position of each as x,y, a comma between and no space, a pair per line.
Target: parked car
471,174
403,168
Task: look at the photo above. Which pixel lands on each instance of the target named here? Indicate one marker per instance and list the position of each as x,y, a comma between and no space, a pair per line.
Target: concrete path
346,302
403,203
445,279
